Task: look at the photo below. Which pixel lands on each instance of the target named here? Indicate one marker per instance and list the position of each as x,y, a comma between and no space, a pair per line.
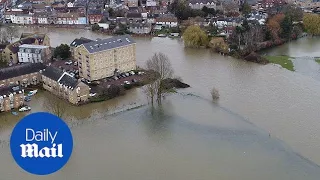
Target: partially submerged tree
12,32
194,36
215,94
160,64
56,106
311,23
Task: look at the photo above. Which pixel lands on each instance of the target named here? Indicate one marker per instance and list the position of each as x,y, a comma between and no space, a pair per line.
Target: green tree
194,36
312,23
95,27
62,51
296,13
3,62
286,27
246,8
208,11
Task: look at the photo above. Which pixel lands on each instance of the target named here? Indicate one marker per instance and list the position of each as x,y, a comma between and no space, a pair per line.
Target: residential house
33,53
65,86
67,18
10,15
23,19
95,16
23,74
103,58
198,21
140,28
134,17
11,97
131,3
167,21
151,3
199,4
39,8
41,39
10,53
265,4
77,42
58,4
41,18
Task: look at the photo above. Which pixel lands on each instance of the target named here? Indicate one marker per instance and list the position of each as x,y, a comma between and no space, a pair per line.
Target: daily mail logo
41,143
32,150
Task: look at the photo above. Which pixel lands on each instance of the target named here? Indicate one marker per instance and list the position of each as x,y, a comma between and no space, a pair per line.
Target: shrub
215,94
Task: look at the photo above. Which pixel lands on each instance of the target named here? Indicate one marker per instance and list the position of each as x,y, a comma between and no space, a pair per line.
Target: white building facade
33,53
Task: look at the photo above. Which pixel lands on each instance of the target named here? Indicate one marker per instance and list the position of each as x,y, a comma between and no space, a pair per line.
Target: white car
126,82
25,108
68,63
92,94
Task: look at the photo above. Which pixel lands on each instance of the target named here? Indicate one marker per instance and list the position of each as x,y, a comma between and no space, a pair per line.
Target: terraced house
103,58
11,97
24,75
65,86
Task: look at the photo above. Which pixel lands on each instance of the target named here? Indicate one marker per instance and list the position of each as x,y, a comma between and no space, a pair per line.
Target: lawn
317,60
284,61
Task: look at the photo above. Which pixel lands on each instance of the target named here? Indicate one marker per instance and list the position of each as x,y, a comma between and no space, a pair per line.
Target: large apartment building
103,58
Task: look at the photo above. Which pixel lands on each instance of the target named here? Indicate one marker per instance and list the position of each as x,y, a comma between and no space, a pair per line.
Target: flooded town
263,123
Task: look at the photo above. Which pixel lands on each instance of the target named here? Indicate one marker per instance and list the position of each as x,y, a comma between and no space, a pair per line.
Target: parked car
127,74
68,63
132,73
92,94
126,82
25,108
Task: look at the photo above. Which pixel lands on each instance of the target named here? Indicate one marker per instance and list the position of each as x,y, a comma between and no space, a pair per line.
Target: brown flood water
191,137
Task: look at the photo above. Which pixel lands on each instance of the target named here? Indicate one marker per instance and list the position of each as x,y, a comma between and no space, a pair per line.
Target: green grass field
317,60
284,61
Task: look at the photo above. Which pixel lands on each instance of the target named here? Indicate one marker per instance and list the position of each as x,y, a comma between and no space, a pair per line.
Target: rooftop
19,70
33,46
9,90
61,77
79,41
110,43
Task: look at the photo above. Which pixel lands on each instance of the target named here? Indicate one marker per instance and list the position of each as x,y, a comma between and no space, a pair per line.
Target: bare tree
12,32
160,64
55,105
230,6
3,36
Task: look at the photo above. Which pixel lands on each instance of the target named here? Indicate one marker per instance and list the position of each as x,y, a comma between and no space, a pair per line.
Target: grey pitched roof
110,43
61,77
80,41
52,73
10,89
19,70
68,81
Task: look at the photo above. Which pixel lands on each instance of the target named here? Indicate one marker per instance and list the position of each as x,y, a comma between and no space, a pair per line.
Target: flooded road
191,137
